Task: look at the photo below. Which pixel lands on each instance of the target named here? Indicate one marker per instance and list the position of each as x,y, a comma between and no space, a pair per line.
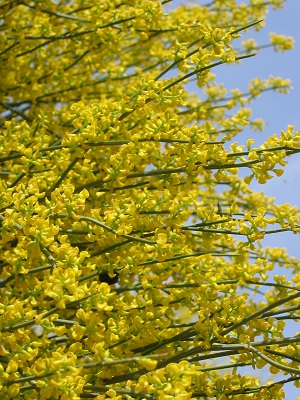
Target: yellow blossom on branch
132,262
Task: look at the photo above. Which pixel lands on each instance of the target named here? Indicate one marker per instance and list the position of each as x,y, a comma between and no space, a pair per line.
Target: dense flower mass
131,262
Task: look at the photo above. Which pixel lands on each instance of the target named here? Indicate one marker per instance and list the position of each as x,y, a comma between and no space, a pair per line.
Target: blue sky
278,110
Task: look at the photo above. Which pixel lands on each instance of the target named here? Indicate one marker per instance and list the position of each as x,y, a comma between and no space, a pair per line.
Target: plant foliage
131,260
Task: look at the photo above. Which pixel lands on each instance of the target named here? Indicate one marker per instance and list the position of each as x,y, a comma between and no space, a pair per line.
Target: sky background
278,110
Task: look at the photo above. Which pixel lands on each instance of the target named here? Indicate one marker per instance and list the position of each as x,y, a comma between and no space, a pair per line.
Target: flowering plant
131,250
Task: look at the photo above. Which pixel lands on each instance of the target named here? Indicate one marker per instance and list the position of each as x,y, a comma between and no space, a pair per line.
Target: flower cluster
131,250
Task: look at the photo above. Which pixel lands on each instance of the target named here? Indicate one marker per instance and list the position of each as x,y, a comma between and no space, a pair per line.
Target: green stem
44,315
202,69
284,355
176,62
61,15
120,361
259,313
127,392
102,225
276,364
77,60
63,175
175,258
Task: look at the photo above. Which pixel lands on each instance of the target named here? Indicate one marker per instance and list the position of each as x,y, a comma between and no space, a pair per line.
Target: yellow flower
148,363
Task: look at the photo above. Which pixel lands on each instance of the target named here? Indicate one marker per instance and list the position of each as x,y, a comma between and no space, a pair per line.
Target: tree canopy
131,261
